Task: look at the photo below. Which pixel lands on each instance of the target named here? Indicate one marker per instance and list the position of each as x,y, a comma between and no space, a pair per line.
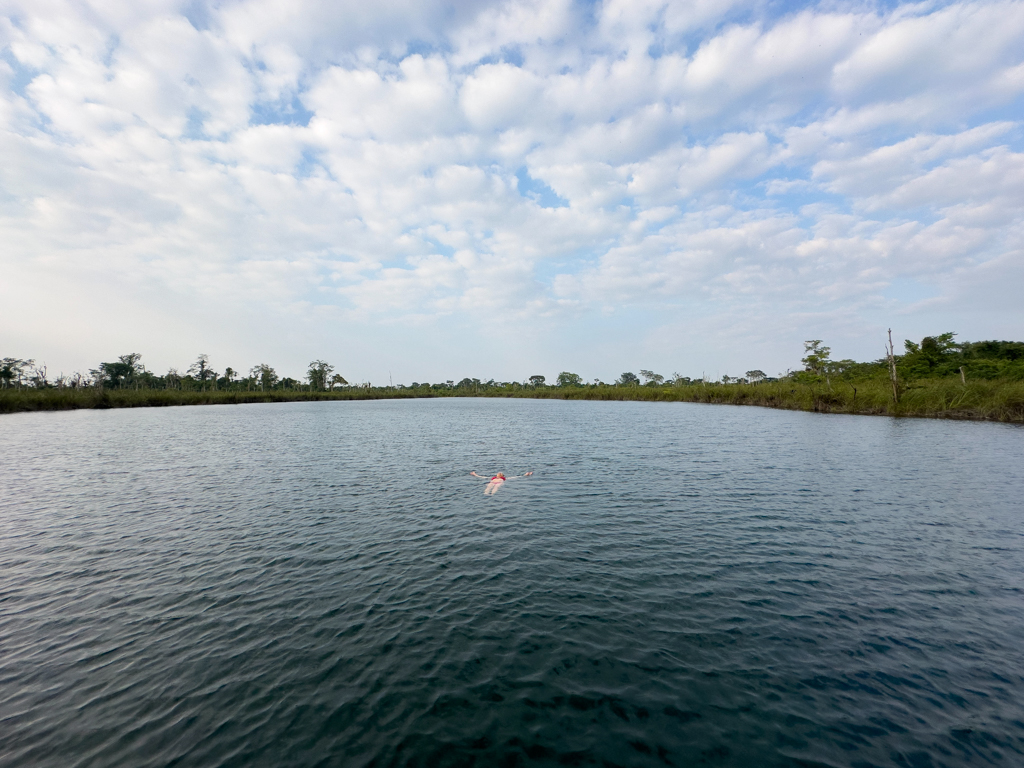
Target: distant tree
566,379
319,373
679,380
817,357
338,380
537,381
268,376
38,377
200,370
652,378
288,383
133,360
173,378
935,355
264,375
628,380
107,375
1011,351
756,376
124,372
933,346
136,370
13,369
229,374
817,361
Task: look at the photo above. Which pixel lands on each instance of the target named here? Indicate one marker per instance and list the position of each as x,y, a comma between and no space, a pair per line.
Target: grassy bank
935,398
990,400
16,400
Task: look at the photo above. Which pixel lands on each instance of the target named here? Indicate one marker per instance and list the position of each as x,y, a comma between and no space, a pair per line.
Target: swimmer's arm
513,477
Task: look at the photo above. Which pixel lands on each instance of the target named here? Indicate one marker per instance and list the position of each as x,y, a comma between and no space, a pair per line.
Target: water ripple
323,584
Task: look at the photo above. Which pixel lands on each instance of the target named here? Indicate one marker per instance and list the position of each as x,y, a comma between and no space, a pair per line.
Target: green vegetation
54,399
934,378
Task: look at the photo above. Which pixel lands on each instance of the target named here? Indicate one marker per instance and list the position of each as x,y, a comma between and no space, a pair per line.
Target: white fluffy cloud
379,182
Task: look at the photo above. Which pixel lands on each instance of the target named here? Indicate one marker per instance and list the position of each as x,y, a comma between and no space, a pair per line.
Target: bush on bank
937,377
982,399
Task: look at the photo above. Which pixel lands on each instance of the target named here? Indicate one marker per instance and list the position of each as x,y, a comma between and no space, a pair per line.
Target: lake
325,584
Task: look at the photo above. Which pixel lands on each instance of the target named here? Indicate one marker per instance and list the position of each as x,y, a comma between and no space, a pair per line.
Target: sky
423,191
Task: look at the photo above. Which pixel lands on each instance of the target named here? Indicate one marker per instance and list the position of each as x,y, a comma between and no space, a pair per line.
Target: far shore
981,400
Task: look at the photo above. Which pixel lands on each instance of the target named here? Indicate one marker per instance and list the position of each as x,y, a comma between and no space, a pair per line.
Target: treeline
935,377
934,357
129,372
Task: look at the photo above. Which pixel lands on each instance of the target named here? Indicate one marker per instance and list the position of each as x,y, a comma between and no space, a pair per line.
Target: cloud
533,163
952,52
415,99
877,171
682,172
499,96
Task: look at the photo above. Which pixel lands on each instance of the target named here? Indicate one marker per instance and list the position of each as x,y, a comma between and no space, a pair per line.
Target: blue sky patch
538,191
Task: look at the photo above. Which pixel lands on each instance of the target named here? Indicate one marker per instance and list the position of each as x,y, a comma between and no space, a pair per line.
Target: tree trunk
892,370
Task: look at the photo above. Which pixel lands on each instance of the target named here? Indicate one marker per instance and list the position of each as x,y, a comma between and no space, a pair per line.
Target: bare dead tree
889,353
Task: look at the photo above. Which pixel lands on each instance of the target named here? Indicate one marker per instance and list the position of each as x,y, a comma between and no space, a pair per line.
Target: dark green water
320,584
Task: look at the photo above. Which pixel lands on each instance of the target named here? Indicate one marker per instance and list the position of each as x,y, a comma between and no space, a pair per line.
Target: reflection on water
325,584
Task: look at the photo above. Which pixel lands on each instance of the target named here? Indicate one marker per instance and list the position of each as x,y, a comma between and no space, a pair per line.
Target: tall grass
935,398
993,400
13,400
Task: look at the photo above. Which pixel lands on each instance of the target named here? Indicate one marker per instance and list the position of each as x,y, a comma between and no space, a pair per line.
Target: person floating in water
495,482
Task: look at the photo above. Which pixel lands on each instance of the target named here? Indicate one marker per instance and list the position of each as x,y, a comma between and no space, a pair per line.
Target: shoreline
995,401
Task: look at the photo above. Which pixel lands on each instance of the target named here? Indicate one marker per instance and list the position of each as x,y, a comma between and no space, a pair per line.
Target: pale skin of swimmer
494,483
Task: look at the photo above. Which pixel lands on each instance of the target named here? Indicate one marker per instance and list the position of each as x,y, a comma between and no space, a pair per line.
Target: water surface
323,584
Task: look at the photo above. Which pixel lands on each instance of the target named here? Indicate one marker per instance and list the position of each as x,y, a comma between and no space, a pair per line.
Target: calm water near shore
323,584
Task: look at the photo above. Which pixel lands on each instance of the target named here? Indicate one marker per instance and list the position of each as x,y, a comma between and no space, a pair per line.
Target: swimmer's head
501,475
